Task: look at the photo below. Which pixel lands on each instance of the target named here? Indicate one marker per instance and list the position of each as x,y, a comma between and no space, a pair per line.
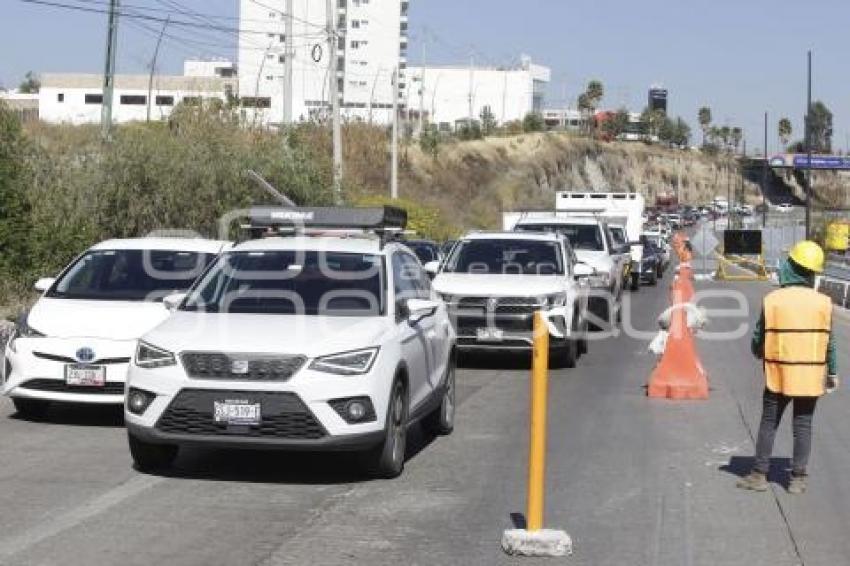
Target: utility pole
422,90
109,70
153,64
809,151
334,90
394,164
764,179
471,73
288,54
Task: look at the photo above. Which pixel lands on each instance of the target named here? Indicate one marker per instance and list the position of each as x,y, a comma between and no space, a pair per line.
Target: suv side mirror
417,309
44,284
172,301
583,270
431,268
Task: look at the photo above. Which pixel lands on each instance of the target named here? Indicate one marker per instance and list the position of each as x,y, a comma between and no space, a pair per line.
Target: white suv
299,341
76,342
591,240
493,283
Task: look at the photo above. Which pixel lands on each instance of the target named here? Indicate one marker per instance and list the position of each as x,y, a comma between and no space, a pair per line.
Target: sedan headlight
23,330
356,362
150,356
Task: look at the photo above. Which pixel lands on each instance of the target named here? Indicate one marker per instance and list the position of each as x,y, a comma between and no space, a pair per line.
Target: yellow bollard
537,439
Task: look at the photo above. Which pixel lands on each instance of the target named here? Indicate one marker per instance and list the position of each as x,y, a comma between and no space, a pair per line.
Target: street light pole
109,71
809,150
153,65
764,179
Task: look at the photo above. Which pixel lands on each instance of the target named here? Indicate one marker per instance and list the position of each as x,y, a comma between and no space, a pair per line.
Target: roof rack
386,221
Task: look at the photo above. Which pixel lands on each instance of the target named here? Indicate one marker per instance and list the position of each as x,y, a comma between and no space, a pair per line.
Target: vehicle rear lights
354,410
138,401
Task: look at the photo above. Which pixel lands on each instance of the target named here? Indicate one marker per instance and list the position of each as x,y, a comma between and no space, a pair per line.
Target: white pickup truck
591,241
493,282
618,209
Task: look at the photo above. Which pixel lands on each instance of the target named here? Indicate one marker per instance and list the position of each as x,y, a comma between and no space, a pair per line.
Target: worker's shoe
756,481
797,485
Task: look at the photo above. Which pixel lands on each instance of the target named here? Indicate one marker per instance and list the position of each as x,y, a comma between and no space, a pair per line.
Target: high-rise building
371,45
657,98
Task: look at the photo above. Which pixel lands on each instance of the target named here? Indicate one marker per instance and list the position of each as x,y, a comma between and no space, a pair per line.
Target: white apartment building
372,43
77,98
450,94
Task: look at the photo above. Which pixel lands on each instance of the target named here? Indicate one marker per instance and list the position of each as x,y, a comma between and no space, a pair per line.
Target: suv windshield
292,282
506,257
581,236
129,275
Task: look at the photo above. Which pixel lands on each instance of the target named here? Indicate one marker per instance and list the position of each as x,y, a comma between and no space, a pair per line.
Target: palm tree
596,92
725,132
785,131
736,135
585,106
704,121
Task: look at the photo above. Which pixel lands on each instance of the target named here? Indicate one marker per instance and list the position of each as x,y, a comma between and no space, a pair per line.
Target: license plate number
236,412
490,334
85,376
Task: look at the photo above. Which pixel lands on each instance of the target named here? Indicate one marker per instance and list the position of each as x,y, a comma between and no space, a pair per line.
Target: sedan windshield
425,251
130,275
292,282
506,257
581,236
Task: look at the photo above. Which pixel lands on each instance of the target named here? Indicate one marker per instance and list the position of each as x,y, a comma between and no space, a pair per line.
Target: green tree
429,140
725,134
785,131
585,107
704,121
736,134
533,122
488,120
820,127
14,206
595,92
653,121
31,84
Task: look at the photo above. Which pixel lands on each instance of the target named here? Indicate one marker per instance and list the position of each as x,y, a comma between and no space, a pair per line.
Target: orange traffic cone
682,289
679,374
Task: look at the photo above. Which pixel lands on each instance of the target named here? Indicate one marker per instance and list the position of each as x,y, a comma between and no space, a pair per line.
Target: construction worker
794,339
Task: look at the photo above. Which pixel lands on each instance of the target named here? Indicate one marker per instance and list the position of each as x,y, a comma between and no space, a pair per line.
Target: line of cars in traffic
324,331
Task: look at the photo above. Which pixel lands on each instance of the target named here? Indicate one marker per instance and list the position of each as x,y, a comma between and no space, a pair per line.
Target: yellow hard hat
808,254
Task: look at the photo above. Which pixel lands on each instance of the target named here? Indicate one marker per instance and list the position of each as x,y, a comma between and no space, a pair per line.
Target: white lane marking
61,523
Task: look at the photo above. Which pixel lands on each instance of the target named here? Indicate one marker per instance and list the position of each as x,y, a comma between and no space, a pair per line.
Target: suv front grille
56,386
283,415
249,367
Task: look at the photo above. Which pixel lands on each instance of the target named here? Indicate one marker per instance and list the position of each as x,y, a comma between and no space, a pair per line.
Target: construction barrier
679,373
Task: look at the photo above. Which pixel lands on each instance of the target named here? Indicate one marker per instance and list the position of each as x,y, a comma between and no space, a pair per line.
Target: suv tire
387,459
151,457
564,353
441,421
31,408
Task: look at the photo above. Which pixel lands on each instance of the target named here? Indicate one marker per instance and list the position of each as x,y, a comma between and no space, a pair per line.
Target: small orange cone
679,373
681,290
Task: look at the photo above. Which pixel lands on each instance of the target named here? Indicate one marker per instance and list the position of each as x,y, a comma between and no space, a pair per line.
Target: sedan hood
311,336
475,285
113,320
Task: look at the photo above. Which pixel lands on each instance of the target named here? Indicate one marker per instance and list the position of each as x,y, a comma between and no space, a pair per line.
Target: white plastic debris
545,542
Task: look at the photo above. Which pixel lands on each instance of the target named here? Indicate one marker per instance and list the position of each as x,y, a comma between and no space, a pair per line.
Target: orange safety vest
797,322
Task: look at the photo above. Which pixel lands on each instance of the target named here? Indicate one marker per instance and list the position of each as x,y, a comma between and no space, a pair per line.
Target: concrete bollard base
545,542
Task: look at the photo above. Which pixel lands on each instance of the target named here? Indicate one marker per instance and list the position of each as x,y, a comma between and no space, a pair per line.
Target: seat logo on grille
85,354
239,367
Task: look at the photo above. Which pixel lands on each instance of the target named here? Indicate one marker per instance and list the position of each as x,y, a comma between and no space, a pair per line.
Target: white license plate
82,375
490,334
236,412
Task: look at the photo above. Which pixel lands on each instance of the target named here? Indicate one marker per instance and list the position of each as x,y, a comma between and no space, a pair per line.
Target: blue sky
740,57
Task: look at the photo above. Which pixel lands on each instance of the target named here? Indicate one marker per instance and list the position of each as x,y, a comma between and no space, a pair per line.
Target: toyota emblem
85,354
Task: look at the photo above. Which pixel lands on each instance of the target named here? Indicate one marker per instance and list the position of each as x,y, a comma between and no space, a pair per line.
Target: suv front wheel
151,457
387,459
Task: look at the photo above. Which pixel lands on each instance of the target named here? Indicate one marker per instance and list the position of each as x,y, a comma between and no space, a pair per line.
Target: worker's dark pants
774,406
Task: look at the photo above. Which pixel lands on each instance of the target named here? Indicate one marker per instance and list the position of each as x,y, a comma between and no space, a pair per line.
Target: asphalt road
632,480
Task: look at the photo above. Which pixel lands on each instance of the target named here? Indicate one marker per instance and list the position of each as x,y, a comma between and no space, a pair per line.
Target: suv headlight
556,300
599,280
149,356
356,362
23,330
445,297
